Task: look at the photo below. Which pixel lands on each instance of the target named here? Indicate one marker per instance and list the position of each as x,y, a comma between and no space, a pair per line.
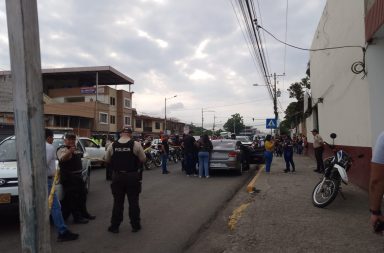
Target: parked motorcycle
153,158
174,154
335,172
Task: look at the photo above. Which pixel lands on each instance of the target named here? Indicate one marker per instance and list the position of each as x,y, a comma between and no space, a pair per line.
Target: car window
88,143
242,138
8,150
231,145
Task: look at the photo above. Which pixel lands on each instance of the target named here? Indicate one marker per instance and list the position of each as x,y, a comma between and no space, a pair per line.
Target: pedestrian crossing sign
271,124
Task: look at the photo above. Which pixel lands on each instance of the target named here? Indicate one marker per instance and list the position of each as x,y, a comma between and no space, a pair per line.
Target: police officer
75,193
125,157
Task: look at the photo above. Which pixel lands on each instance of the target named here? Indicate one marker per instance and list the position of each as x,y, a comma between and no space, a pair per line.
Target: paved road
281,218
174,209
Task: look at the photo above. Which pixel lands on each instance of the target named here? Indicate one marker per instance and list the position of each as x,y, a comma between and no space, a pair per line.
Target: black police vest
73,165
123,158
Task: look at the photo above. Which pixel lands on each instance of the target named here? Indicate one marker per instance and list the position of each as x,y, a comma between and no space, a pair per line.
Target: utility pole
275,95
24,45
202,119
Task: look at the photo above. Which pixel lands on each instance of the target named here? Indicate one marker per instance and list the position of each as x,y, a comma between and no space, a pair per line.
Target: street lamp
165,112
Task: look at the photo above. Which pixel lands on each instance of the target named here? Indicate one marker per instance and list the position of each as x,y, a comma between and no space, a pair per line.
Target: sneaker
67,236
89,217
199,176
113,229
207,177
285,171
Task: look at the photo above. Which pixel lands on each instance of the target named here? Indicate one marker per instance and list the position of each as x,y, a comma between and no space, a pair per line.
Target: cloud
192,48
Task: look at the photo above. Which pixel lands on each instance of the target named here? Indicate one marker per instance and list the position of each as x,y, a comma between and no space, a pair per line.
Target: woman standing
268,154
288,154
205,148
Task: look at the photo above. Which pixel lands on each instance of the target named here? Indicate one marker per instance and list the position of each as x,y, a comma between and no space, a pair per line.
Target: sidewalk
281,217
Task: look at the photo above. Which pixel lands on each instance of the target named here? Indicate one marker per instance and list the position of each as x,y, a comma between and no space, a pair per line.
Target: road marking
251,185
236,215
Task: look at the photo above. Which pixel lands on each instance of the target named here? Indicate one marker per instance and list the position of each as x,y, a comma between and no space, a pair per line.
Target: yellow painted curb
251,185
236,215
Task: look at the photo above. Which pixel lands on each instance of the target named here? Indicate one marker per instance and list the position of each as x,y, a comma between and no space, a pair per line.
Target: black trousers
75,196
319,158
126,184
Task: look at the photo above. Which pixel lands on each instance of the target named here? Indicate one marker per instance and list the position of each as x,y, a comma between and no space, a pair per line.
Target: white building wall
345,107
375,57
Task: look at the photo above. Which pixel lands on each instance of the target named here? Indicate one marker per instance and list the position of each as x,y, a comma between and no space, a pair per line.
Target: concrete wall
345,108
375,58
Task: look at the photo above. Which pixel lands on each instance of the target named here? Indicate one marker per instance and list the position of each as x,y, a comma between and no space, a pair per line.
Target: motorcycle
153,158
174,153
335,173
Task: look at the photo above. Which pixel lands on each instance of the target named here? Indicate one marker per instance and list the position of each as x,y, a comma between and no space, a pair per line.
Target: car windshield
88,143
224,145
8,150
243,138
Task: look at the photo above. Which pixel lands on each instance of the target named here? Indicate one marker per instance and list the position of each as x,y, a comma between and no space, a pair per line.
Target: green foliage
235,124
295,110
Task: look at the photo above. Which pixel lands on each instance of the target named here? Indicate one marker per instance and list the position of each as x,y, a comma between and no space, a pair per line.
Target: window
157,125
127,103
103,118
315,114
138,123
127,120
112,119
112,101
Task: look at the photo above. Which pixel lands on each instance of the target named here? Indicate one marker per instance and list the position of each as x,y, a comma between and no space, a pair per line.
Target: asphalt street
174,209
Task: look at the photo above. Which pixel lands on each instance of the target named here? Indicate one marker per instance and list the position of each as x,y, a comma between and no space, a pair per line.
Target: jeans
288,157
268,160
164,160
204,163
57,217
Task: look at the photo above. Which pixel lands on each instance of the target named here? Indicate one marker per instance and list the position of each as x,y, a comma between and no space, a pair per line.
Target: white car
245,140
92,151
9,193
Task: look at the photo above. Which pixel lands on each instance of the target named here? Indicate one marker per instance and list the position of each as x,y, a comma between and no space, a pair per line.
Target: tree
235,124
294,113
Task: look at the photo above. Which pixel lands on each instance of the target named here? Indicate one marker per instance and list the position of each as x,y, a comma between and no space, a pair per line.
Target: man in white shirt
376,184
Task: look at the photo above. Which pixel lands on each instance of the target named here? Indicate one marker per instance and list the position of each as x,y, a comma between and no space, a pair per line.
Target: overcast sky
194,49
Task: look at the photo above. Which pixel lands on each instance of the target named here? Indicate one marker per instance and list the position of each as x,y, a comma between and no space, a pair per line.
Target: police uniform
125,157
74,201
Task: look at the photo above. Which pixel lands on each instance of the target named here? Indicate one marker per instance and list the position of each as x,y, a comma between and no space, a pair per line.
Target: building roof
80,77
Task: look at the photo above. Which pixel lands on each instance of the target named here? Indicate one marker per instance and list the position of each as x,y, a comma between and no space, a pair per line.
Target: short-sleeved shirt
189,144
317,141
378,150
165,146
269,146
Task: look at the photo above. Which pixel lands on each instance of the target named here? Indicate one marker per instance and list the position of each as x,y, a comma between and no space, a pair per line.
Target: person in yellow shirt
268,154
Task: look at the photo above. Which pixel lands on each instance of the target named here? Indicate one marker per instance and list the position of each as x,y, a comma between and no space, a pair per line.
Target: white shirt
378,150
51,159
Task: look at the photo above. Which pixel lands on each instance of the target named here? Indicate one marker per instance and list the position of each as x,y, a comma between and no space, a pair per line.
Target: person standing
376,183
268,153
205,148
318,146
288,154
164,149
75,192
126,157
189,145
64,233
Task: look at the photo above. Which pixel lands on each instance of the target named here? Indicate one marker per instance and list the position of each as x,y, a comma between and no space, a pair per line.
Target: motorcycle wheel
328,192
157,161
175,158
148,164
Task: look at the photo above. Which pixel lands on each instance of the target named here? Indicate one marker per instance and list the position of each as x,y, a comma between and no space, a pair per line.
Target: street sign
271,124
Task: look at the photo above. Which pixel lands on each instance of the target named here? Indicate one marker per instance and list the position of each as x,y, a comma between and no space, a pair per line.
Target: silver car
226,156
